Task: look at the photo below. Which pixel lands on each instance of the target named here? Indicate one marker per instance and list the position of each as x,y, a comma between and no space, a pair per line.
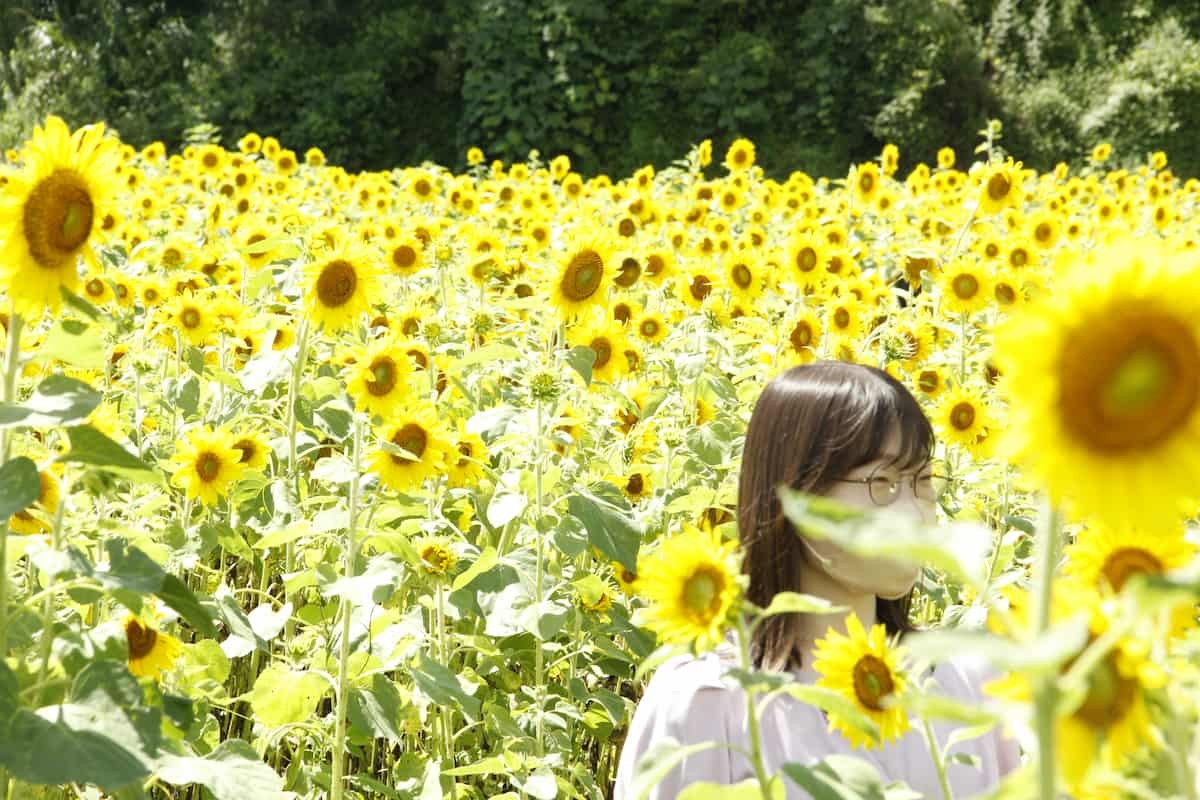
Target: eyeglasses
884,490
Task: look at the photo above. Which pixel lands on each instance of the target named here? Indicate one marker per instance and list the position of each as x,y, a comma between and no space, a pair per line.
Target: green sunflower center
582,276
872,682
383,376
702,593
208,466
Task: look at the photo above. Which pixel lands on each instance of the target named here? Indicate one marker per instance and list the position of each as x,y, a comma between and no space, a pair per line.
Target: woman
852,433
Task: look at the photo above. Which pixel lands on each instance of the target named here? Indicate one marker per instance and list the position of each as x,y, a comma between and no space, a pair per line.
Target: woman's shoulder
693,672
965,675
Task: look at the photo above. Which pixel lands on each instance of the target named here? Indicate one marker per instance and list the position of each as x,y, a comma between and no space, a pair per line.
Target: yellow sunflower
437,555
193,318
1001,188
254,448
740,155
865,670
608,341
464,467
803,336
207,464
379,377
1103,379
578,280
419,448
150,651
963,417
1104,559
965,288
49,210
341,285
692,582
37,518
805,257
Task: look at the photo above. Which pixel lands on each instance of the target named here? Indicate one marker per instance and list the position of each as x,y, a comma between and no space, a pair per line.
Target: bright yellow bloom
1103,376
691,581
426,447
150,651
379,377
740,155
207,464
341,285
50,210
865,670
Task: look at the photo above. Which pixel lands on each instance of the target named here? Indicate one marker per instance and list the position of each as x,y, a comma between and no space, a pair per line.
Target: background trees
616,84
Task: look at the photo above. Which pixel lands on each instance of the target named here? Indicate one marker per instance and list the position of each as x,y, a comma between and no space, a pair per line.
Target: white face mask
881,577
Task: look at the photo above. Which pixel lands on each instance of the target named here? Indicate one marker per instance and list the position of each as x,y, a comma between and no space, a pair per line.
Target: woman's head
828,428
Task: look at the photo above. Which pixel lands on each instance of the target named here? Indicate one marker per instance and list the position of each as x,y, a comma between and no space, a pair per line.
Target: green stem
444,654
339,734
11,357
760,770
289,551
48,604
539,658
1045,696
939,759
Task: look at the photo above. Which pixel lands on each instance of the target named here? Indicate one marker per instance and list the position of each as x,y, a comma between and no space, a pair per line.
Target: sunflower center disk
383,372
998,187
190,318
702,593
962,416
411,438
1108,698
742,276
1131,384
966,286
208,467
141,640
336,284
603,350
57,218
247,449
404,256
1126,562
872,682
582,277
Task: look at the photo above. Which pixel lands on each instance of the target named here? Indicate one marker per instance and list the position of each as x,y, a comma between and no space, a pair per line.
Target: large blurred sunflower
691,582
1103,377
864,669
48,211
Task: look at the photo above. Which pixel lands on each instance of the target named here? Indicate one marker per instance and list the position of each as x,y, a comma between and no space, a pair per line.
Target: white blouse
687,699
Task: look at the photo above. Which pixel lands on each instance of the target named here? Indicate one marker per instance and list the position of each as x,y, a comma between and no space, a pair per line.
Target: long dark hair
813,424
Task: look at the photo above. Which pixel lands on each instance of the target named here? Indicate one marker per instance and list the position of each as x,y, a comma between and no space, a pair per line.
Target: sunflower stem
339,733
11,357
939,759
48,603
289,551
444,656
1045,558
760,770
539,658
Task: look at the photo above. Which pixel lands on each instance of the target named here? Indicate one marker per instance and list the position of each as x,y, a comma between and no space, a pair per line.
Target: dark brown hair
813,424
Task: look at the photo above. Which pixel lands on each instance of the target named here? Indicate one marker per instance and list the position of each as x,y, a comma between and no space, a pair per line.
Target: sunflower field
397,484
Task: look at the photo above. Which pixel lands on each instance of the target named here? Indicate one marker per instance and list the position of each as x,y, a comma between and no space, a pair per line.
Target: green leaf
581,359
837,777
58,400
832,702
742,790
1045,653
488,354
486,560
795,603
959,549
377,710
20,486
442,686
662,757
176,594
90,446
233,771
505,507
282,696
609,521
75,344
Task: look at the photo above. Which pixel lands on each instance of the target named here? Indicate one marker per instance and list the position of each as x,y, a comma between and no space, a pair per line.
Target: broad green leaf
282,696
278,538
75,344
832,702
610,523
1046,652
796,603
20,486
505,507
442,686
91,447
837,777
487,354
581,360
492,765
959,549
377,710
486,560
658,761
540,784
233,771
58,400
742,790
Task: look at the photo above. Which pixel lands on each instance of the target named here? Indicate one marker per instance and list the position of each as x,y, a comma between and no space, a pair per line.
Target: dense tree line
616,84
